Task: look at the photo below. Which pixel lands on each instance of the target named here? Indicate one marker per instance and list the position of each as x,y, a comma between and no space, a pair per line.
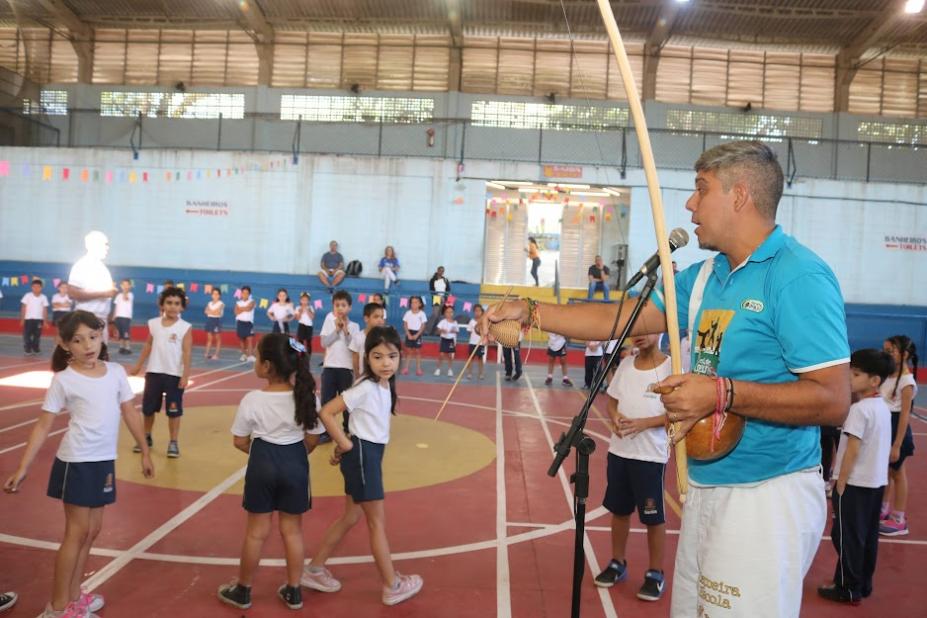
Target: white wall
281,219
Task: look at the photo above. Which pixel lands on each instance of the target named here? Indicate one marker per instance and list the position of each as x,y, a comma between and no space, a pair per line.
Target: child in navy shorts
557,349
214,311
371,402
413,322
448,329
244,324
95,393
475,343
637,456
278,426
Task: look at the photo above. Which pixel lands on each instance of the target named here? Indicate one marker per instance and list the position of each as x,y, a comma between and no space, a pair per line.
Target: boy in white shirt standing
337,333
637,457
170,347
33,313
122,315
861,473
373,317
244,323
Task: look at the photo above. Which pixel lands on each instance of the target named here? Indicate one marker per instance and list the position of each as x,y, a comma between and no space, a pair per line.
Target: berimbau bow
659,223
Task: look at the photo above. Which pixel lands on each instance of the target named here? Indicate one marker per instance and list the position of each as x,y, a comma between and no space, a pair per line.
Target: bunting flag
361,298
318,304
264,303
467,306
160,289
224,288
56,281
451,300
194,287
435,300
5,282
149,288
237,293
207,289
14,281
403,302
4,168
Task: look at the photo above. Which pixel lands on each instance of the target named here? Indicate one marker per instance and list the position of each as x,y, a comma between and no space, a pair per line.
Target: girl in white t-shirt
277,426
413,323
557,352
214,311
122,315
474,343
371,402
305,314
61,303
447,329
281,312
899,391
95,393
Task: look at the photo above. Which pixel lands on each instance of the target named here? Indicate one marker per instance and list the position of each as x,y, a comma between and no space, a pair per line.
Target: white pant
388,277
744,551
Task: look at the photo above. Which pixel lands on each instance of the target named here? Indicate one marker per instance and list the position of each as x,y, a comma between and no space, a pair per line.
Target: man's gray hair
754,163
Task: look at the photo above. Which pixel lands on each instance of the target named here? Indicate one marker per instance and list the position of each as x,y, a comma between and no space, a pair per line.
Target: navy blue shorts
304,334
448,346
557,353
633,483
158,385
58,315
286,328
479,353
244,329
362,469
907,443
83,483
213,325
124,326
413,343
277,478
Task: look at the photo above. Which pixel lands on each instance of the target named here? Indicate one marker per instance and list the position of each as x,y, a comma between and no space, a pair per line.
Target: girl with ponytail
277,426
899,391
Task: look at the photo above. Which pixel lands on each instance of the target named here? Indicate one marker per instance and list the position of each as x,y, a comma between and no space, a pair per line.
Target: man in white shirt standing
90,283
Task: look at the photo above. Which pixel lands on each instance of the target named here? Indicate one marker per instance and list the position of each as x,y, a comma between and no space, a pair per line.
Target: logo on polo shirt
756,306
707,340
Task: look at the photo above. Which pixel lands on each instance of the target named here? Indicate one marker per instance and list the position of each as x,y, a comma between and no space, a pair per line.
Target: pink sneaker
893,527
91,602
419,372
406,587
405,371
319,578
73,610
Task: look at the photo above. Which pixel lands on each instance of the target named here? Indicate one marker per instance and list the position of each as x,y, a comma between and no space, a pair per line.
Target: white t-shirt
474,336
594,350
93,403
61,302
449,329
123,305
894,403
280,311
35,305
555,342
216,308
338,354
167,347
369,405
246,316
92,275
870,421
610,345
440,286
305,315
358,340
414,320
271,416
629,387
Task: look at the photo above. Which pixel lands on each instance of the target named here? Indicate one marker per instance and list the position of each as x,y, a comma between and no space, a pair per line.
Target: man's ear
741,195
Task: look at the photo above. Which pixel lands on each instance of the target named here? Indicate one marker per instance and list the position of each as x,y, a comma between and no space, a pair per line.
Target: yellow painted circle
208,457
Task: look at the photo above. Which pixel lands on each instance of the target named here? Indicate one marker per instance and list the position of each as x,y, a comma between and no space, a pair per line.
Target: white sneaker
251,359
319,578
437,372
406,586
450,373
242,358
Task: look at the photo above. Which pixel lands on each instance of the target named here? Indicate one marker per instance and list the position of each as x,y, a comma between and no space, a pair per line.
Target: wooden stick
466,365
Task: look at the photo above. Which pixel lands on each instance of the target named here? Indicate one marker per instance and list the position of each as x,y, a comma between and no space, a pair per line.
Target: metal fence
459,139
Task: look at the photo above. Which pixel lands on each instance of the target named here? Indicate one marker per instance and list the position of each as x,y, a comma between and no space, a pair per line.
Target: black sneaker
549,381
652,589
7,600
516,376
508,378
292,596
839,594
615,572
138,449
235,594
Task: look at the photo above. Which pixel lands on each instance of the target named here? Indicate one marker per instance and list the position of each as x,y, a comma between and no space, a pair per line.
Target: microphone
677,238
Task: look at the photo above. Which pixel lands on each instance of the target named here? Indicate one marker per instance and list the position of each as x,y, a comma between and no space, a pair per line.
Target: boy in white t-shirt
122,315
861,474
168,351
373,317
336,335
244,324
33,313
447,329
637,457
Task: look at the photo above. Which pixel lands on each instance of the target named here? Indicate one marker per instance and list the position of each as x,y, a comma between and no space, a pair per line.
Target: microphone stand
575,437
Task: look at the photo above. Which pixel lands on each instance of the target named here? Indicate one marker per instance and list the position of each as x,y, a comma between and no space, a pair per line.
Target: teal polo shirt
777,315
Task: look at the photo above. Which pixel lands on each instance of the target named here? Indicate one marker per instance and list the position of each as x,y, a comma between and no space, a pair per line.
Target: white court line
21,404
607,605
162,531
18,425
503,578
43,361
22,444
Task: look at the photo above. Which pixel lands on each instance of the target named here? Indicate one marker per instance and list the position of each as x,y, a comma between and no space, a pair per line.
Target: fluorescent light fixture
514,183
914,6
590,193
496,185
612,191
564,186
682,1
42,380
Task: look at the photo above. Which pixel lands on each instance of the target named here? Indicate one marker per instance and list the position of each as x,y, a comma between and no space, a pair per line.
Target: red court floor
469,507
